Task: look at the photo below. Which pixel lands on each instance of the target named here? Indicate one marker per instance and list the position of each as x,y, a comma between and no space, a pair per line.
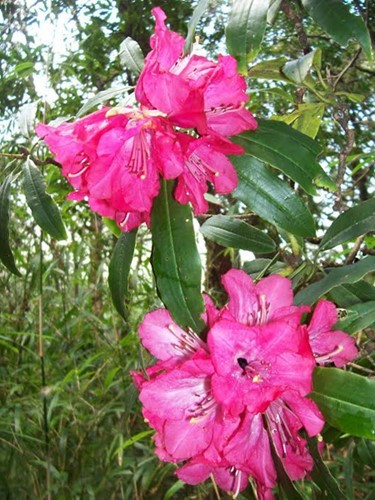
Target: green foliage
175,259
70,423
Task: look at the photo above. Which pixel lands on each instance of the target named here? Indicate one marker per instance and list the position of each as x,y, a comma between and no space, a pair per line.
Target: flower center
201,408
255,369
199,168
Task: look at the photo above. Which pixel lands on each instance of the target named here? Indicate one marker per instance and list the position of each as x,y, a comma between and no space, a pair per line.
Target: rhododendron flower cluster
188,107
226,406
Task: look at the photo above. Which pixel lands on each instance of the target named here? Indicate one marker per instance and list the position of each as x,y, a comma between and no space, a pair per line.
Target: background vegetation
70,425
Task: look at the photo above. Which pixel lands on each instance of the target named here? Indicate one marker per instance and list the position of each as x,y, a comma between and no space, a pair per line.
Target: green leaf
334,17
6,254
307,118
321,475
287,150
366,452
197,14
133,439
131,55
102,96
245,30
43,208
272,199
119,268
349,294
336,277
234,233
175,259
347,401
298,69
354,222
361,316
171,492
269,70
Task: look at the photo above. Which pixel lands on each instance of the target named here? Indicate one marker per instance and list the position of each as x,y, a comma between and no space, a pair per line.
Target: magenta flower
193,91
205,160
226,406
256,304
114,158
329,346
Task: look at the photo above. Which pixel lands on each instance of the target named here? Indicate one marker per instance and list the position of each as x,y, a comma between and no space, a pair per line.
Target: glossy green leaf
119,268
360,316
336,277
298,69
235,233
321,475
192,26
44,210
287,150
175,259
131,55
245,30
347,400
269,70
352,293
102,96
6,254
354,222
272,199
334,17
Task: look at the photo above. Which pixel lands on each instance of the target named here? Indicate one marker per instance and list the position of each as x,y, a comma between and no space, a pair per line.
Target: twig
362,368
347,67
296,19
358,242
26,154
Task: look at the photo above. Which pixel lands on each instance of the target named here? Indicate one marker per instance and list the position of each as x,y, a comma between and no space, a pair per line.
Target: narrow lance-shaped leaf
6,254
131,55
235,233
245,30
43,208
287,150
336,277
346,400
321,474
336,19
197,14
350,224
270,198
175,259
119,268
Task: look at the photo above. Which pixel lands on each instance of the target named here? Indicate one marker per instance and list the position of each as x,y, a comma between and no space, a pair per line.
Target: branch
25,153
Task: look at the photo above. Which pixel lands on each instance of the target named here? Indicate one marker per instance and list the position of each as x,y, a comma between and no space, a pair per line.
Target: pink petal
164,339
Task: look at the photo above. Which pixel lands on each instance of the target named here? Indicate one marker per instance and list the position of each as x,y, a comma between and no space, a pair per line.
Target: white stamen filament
328,356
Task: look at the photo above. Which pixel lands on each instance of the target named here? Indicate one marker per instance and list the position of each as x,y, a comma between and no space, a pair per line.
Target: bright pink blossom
225,407
329,346
205,161
193,91
114,158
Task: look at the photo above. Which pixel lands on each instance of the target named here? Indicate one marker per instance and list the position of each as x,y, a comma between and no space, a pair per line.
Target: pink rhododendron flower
193,91
205,160
114,158
329,346
224,407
